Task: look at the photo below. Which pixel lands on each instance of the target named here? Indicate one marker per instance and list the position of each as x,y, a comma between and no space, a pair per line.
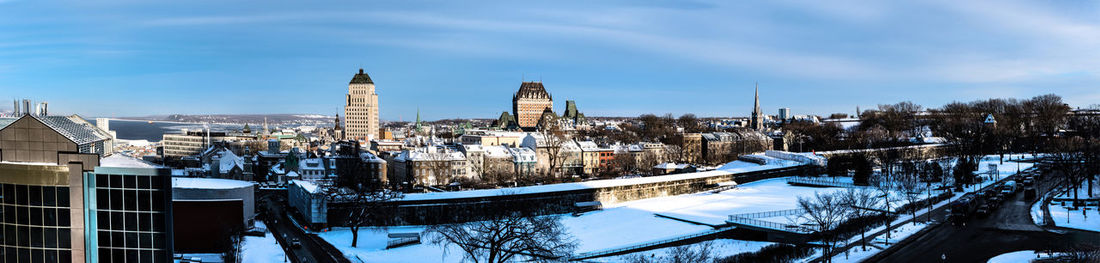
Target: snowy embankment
734,167
904,230
261,249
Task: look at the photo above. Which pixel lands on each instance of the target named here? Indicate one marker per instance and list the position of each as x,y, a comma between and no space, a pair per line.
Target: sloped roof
361,78
532,90
72,127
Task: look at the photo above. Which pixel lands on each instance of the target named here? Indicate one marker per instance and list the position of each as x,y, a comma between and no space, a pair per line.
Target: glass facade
34,223
131,217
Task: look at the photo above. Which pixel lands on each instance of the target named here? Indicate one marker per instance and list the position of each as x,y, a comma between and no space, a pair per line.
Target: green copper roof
361,78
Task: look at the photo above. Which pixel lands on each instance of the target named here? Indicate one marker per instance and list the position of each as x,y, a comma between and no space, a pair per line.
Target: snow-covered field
615,226
261,249
1086,217
628,223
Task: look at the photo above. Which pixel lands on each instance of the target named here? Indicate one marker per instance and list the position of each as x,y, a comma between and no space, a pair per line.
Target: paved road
1007,229
275,217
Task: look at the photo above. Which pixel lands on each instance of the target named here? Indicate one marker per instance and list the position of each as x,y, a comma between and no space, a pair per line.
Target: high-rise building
784,113
361,109
529,103
757,122
59,204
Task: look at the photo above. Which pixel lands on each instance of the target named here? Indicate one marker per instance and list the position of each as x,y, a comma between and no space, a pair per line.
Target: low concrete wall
440,211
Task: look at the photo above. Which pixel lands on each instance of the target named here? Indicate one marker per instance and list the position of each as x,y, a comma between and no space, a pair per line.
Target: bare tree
700,252
553,140
884,185
507,237
366,206
911,188
861,202
826,212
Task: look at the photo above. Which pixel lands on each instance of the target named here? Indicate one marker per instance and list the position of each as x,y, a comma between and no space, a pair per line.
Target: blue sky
615,58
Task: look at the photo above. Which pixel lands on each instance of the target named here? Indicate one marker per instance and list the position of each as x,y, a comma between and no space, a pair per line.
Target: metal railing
601,253
818,182
775,213
798,229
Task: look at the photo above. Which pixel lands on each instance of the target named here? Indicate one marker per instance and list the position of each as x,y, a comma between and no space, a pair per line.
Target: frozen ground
261,249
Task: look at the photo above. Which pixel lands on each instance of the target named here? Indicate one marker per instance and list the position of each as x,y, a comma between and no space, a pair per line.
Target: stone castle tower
529,103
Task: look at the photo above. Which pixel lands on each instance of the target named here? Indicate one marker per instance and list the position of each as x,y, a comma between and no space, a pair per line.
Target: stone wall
424,212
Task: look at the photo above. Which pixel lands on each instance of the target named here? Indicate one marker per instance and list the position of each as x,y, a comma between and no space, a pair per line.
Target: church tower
757,122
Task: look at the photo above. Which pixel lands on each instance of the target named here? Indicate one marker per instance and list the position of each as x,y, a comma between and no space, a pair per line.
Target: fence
798,229
765,214
819,182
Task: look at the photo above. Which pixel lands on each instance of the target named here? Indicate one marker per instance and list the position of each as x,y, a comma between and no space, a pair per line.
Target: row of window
130,200
37,237
34,195
133,255
130,221
35,255
131,240
128,181
35,216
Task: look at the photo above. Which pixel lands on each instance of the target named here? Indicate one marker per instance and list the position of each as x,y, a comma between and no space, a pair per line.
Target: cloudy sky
615,58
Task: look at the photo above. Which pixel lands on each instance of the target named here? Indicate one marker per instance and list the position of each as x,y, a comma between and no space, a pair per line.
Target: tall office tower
361,109
784,114
757,122
530,102
58,205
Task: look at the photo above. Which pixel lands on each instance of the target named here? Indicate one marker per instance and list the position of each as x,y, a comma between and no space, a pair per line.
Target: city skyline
614,59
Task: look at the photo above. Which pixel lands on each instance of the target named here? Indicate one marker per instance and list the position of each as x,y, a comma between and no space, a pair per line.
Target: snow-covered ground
1085,217
719,248
1018,256
714,209
616,226
261,249
628,223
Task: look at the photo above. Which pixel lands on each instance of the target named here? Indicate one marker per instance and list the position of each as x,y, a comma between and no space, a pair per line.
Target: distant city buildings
784,114
361,109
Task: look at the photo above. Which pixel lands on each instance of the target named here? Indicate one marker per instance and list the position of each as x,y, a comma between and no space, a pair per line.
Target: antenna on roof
522,77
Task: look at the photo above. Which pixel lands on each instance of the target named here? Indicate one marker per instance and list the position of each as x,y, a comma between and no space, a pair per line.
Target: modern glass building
58,205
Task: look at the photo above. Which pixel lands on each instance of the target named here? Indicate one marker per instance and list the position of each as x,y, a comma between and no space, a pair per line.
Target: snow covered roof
672,166
307,185
208,183
497,152
118,160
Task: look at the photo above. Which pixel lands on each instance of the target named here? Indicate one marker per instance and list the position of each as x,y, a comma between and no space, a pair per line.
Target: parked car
984,210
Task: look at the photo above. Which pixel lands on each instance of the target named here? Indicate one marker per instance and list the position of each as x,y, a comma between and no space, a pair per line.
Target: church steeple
757,121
